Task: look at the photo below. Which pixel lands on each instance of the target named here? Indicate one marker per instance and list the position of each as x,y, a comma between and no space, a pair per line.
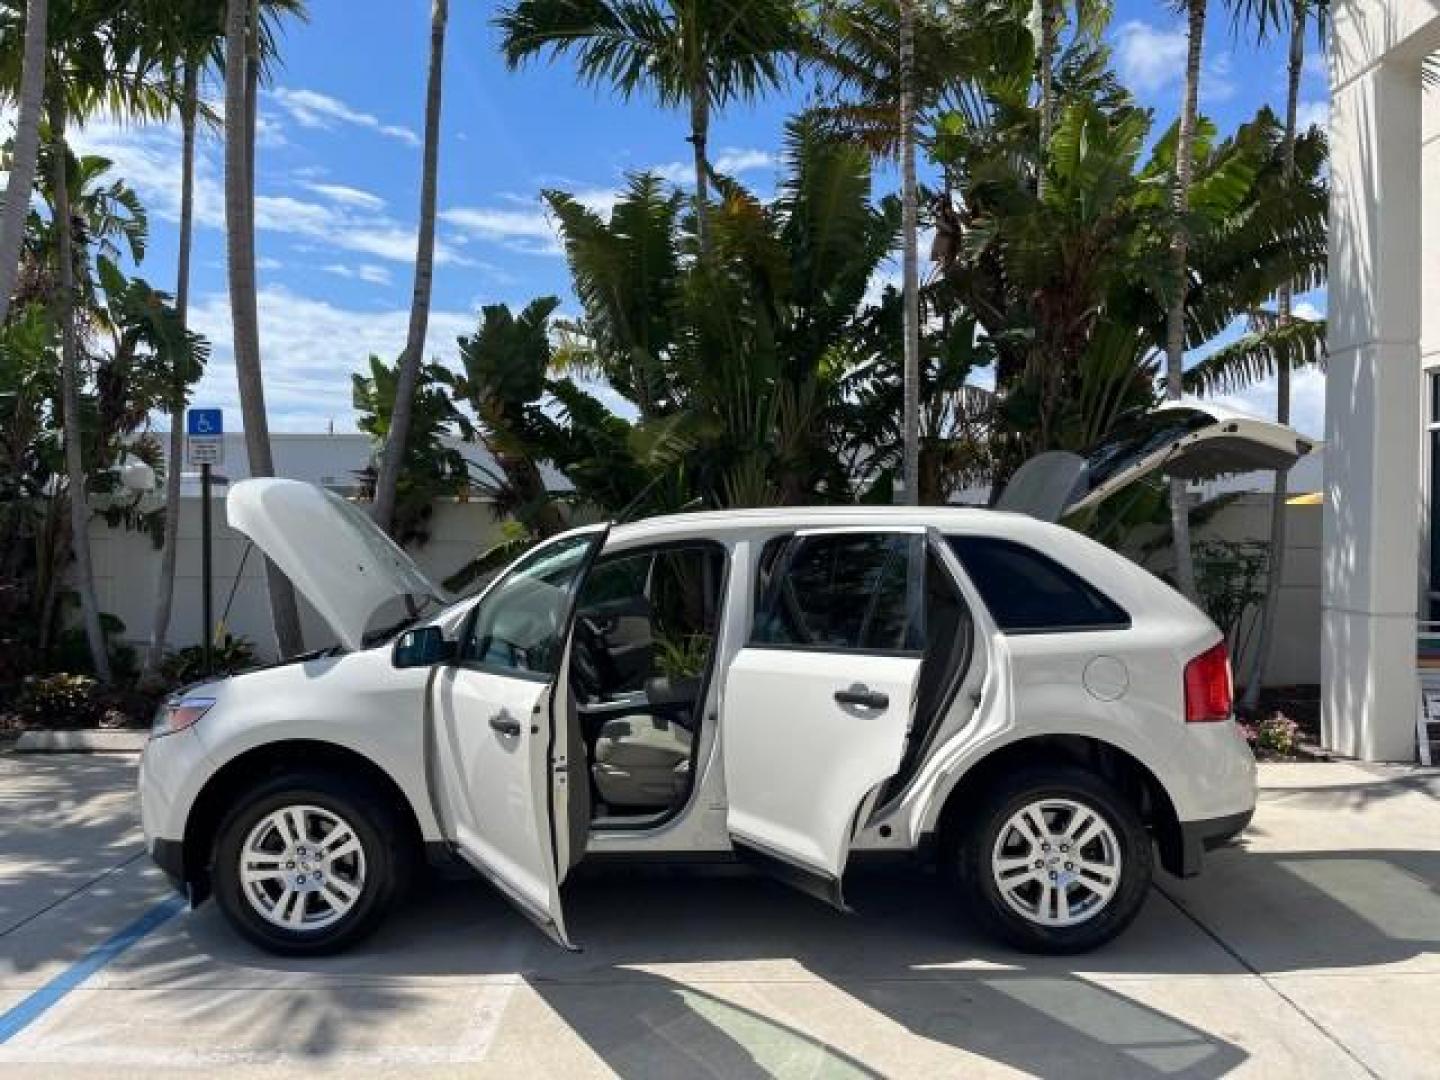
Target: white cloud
731,160
1313,113
524,226
371,273
309,348
1149,58
350,196
148,156
312,109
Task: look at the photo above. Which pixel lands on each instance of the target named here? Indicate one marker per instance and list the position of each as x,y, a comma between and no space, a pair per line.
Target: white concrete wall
1295,658
1371,578
126,563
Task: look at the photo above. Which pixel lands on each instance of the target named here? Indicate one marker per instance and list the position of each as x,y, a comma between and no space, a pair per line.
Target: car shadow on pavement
726,974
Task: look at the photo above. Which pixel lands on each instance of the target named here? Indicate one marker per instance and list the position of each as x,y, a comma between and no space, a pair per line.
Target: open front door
818,704
499,738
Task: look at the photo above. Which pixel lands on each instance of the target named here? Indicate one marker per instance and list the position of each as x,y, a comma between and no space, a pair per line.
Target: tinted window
1133,439
1027,591
518,625
844,591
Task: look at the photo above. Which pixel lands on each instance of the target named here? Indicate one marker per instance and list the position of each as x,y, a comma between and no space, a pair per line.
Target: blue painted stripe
21,1016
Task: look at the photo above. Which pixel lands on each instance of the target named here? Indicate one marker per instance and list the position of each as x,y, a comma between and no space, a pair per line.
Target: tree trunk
240,261
911,269
392,456
72,429
27,145
1049,44
699,141
1284,305
1179,251
165,583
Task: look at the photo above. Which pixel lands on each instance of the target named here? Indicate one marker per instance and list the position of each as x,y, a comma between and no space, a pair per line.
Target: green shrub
187,665
1274,734
58,701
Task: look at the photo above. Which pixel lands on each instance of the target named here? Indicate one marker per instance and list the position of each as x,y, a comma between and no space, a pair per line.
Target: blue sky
338,179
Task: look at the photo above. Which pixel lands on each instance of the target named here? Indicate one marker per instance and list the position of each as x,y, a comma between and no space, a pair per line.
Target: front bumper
172,769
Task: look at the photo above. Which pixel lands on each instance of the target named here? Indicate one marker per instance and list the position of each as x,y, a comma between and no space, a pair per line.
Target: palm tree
1091,16
241,47
92,46
699,53
30,94
393,454
193,37
1175,318
910,270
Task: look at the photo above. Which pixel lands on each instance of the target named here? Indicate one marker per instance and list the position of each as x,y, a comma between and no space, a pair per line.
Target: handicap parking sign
205,437
205,422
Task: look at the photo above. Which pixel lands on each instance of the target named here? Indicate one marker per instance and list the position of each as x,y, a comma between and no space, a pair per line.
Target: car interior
644,639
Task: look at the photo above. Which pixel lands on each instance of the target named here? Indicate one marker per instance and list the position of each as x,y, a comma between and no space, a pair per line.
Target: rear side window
844,592
1030,593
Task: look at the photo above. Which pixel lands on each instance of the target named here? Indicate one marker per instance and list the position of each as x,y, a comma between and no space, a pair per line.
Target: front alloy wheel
308,862
1054,859
303,868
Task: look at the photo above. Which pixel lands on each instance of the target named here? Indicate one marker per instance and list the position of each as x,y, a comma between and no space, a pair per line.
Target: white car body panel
1028,685
780,707
1209,441
348,569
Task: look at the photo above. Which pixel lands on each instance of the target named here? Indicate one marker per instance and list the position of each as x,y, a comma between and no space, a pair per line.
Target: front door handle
504,723
862,695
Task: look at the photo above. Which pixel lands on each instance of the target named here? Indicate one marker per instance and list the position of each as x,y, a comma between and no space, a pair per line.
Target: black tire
386,844
973,845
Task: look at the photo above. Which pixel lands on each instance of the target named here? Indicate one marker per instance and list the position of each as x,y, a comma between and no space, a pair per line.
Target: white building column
1374,402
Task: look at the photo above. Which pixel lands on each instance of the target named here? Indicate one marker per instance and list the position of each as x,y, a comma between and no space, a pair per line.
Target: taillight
1209,694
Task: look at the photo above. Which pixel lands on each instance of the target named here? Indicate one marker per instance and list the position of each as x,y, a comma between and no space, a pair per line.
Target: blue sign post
205,446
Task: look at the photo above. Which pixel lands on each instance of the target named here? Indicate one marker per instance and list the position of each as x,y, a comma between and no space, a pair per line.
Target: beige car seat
642,761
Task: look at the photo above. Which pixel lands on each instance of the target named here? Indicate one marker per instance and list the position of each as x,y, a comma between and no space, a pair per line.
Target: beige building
1384,376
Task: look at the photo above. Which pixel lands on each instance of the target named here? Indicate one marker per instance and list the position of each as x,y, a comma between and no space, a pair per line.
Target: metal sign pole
205,446
206,570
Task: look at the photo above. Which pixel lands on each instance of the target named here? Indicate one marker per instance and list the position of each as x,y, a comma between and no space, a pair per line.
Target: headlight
179,713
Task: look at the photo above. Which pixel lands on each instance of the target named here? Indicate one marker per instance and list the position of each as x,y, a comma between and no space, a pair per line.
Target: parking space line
72,893
33,1007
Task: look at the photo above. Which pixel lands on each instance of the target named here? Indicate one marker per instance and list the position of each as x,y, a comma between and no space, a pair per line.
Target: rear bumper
1198,837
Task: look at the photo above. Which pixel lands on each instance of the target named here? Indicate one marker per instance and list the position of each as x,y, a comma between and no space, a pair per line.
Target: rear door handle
862,695
504,723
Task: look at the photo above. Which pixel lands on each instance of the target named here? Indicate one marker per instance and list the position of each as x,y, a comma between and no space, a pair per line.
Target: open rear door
1191,442
499,754
818,704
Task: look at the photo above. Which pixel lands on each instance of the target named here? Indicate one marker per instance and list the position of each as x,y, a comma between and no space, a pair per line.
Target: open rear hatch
1191,442
358,579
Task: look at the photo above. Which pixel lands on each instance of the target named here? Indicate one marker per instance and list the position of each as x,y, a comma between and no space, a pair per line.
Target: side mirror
425,646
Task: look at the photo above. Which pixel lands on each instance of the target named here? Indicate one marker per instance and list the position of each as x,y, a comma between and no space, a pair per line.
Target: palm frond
1257,355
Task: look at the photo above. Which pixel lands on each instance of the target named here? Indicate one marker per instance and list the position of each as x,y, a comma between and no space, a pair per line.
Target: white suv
797,686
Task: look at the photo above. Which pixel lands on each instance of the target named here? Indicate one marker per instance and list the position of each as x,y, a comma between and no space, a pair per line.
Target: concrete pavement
1315,952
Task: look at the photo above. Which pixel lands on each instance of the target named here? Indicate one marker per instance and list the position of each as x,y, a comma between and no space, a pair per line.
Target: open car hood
1191,442
358,579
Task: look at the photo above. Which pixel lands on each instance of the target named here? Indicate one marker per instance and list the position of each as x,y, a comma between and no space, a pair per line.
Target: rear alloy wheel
1056,861
308,863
